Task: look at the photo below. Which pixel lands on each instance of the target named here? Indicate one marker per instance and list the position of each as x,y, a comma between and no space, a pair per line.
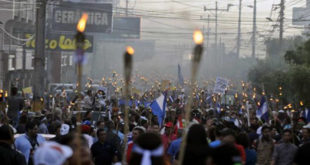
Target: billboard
126,27
301,16
66,15
61,42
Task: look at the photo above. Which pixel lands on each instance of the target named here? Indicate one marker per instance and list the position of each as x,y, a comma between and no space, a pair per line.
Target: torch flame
198,37
301,103
82,23
130,50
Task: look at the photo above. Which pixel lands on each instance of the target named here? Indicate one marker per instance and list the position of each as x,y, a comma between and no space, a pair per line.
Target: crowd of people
61,134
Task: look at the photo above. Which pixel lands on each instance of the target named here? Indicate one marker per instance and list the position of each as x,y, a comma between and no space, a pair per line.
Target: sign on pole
67,14
221,85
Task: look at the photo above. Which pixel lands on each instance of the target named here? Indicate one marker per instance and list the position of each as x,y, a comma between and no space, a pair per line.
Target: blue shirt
23,145
174,147
215,144
250,157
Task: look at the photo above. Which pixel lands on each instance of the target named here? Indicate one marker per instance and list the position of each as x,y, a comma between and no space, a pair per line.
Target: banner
67,14
61,42
27,90
221,85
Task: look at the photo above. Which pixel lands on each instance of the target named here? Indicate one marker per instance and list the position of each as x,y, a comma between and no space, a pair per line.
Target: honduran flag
158,107
262,112
218,108
306,114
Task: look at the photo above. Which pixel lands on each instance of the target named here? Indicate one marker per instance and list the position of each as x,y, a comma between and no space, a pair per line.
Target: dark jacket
10,156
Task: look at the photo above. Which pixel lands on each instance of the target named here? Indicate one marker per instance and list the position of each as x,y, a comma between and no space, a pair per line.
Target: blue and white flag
218,108
180,76
306,114
158,107
262,112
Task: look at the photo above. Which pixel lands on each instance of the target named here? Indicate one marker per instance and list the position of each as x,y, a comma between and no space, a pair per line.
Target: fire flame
82,23
198,37
130,50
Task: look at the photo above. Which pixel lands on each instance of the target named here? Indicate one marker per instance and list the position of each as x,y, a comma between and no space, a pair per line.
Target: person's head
155,127
6,134
88,115
266,132
243,139
14,91
168,128
101,134
306,133
79,146
100,125
147,143
196,149
110,125
287,136
89,92
136,132
228,135
56,127
226,154
32,128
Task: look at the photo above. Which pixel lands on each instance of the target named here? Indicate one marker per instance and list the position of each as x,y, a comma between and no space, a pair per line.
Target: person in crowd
16,104
168,135
57,127
7,154
305,135
136,132
175,145
87,101
225,154
284,152
148,150
21,128
229,137
79,145
113,139
52,153
103,152
302,155
43,126
196,149
251,157
264,147
28,142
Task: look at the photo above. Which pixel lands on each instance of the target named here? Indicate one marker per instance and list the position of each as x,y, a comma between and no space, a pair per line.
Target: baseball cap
64,129
52,153
169,124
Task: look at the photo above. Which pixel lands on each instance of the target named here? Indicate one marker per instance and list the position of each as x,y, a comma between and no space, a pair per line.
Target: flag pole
198,38
127,75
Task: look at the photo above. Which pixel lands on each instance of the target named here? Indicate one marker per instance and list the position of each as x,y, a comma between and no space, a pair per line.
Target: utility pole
239,29
282,8
254,30
208,33
216,10
126,7
39,57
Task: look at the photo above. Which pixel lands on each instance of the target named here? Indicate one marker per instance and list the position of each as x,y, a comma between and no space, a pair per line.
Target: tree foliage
290,71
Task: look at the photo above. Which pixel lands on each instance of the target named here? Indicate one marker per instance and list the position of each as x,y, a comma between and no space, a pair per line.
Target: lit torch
79,55
198,39
127,76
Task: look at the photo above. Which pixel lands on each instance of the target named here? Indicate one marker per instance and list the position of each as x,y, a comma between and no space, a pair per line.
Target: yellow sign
60,42
27,90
